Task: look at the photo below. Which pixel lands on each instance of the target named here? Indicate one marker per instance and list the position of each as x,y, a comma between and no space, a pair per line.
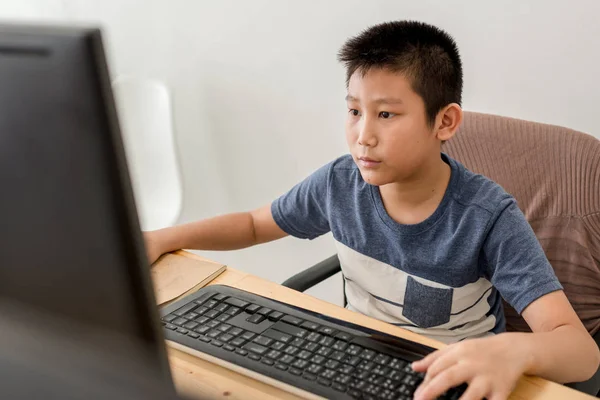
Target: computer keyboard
316,353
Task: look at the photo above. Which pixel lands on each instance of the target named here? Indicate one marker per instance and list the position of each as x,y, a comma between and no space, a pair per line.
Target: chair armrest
313,275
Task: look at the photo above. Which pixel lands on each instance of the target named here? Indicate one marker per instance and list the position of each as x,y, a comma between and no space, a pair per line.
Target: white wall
258,94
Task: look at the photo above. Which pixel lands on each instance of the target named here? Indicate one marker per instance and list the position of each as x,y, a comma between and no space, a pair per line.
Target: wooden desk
198,378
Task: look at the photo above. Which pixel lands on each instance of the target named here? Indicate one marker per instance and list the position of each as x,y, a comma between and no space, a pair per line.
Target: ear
447,122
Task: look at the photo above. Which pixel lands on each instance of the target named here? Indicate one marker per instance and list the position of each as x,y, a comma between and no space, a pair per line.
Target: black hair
425,54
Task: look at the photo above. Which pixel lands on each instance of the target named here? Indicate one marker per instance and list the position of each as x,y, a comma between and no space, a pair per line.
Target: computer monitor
70,241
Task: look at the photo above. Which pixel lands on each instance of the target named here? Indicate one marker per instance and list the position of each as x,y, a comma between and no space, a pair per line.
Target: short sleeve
303,212
516,263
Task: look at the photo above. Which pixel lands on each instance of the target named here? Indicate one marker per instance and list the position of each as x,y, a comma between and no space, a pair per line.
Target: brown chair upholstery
554,173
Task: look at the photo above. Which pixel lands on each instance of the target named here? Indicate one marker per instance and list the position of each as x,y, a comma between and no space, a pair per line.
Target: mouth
367,162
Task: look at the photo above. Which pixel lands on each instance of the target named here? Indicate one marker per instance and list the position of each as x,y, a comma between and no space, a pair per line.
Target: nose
366,135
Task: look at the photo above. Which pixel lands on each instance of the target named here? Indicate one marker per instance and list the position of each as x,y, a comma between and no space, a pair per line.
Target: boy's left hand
490,366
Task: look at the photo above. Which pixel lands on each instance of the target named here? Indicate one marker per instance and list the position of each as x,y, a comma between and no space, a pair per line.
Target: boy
423,242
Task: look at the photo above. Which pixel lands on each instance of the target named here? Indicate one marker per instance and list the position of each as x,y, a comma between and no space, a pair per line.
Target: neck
420,190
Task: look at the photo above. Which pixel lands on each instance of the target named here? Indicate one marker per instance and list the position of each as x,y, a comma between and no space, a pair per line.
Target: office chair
554,174
145,112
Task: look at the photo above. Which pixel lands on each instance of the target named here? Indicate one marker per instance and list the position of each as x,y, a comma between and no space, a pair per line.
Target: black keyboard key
372,389
186,309
179,321
264,311
313,337
241,352
276,335
343,379
223,317
314,368
238,342
337,355
317,359
212,314
265,341
292,320
254,357
252,308
382,359
274,354
295,371
171,327
267,361
354,361
248,335
340,345
202,320
332,364
204,338
324,382
232,311
182,331
191,315
353,350
213,334
201,310
304,354
290,329
219,297
277,346
224,327
298,342
309,377
366,365
190,325
355,394
328,374
324,351
327,331
275,315
225,337
344,336
232,301
169,317
311,326
397,363
256,348
291,350
236,331
213,324
210,304
216,343
339,387
368,355
282,367
312,347
301,364
327,341
256,319
287,359
221,307
193,334
346,369
228,347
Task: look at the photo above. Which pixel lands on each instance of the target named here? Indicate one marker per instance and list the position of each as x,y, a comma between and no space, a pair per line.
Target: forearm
566,354
225,232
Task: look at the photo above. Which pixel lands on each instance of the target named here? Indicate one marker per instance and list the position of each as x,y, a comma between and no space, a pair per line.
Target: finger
445,380
423,364
444,362
476,390
501,395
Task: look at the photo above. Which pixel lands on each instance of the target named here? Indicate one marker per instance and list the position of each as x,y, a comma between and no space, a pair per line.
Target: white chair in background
145,114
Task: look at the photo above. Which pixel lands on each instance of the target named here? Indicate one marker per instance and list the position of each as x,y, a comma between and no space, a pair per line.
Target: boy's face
386,128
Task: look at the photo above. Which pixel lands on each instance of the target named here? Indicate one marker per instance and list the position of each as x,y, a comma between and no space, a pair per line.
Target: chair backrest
147,125
554,174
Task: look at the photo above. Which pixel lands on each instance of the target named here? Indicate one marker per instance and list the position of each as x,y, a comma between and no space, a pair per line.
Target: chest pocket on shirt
426,306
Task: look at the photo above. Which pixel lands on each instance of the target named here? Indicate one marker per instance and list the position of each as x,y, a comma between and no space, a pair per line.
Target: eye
354,112
386,115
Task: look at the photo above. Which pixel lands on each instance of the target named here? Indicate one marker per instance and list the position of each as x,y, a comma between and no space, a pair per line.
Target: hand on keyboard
491,366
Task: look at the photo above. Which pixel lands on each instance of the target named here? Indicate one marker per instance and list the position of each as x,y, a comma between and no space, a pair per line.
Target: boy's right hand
153,248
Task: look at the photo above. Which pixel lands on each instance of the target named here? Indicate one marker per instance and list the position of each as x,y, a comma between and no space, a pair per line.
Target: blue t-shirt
442,277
